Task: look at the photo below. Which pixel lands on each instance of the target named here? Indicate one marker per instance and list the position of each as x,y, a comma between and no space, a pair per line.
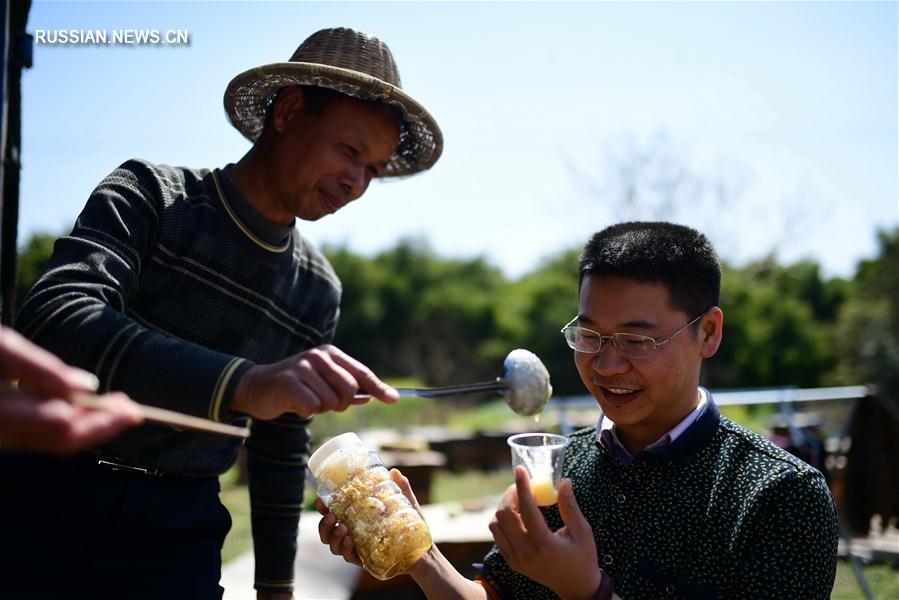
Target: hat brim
248,94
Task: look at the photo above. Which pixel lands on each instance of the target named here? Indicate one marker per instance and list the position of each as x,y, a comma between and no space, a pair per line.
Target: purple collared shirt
607,435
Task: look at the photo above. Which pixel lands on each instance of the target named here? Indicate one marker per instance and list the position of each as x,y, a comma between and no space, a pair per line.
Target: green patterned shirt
719,513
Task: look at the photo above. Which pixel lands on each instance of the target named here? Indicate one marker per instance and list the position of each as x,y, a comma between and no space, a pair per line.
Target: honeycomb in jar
341,468
389,535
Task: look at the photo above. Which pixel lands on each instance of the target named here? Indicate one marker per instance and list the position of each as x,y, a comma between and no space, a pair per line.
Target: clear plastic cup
388,533
543,455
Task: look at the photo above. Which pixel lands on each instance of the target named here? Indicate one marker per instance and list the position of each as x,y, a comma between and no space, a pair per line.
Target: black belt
115,466
112,463
103,462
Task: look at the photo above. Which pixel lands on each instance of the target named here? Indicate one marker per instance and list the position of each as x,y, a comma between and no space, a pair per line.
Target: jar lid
335,444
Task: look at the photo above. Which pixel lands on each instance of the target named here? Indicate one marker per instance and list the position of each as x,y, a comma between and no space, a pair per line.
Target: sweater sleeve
79,308
276,460
277,453
786,546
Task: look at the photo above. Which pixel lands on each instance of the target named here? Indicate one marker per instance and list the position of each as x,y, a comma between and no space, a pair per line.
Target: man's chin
623,414
312,215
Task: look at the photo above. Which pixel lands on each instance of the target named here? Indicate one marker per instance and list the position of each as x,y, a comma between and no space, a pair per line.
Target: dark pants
72,529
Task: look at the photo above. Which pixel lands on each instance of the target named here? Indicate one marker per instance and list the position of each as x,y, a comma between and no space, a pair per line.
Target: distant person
192,290
664,497
38,415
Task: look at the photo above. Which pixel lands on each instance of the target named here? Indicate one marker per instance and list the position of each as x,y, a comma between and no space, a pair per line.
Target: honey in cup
542,454
544,491
388,533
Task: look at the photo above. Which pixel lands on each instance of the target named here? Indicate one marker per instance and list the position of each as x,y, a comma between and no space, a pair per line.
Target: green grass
470,485
884,581
489,414
755,418
407,412
237,500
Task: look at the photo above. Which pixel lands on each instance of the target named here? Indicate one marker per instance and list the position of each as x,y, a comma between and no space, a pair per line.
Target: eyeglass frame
656,343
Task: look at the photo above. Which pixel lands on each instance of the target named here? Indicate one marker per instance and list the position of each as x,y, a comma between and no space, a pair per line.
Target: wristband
606,587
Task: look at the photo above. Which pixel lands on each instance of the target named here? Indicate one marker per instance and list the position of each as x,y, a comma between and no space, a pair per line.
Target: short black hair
316,99
676,256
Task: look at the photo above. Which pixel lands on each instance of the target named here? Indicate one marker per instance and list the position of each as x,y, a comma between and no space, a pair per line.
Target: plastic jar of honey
388,533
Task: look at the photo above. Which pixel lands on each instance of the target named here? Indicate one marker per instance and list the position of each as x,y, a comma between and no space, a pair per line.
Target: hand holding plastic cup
542,454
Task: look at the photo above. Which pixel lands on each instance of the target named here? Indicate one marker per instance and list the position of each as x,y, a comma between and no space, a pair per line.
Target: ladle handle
497,385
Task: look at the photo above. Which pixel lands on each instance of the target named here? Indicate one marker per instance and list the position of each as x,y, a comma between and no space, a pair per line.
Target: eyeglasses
630,345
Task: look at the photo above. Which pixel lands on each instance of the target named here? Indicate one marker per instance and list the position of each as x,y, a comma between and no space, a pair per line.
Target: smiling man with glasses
677,500
664,497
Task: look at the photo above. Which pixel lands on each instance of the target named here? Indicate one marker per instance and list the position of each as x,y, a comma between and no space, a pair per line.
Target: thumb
571,513
402,481
321,507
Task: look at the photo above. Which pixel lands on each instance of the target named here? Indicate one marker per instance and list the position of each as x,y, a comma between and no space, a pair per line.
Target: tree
407,312
867,333
32,258
772,334
533,313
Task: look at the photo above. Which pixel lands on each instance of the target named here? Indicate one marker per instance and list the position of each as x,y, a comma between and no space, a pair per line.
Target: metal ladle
524,383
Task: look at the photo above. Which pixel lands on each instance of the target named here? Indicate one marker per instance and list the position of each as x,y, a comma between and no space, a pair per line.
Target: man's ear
710,331
288,104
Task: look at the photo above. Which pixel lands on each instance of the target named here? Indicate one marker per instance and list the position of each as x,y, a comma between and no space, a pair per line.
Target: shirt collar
269,232
607,432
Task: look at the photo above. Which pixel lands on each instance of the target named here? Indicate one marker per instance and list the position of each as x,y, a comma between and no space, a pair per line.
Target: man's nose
609,361
354,182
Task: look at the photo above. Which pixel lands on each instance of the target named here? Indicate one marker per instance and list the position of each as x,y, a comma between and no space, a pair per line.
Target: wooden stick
168,417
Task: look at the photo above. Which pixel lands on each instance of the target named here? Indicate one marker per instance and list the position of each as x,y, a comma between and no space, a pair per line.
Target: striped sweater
170,287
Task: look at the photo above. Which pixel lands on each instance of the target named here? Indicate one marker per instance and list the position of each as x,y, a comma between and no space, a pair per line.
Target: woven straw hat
353,63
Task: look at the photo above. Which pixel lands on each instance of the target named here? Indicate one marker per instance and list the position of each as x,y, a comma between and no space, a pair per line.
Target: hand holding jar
387,532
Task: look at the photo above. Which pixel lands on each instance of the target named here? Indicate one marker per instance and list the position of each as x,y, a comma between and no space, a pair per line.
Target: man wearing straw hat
192,290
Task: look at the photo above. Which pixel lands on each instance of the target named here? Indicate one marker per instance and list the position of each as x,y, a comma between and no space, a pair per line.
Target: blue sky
791,108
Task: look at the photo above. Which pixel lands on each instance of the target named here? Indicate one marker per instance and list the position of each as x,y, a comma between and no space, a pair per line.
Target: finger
349,551
362,400
527,505
510,520
326,527
402,481
58,427
281,389
509,499
506,547
321,506
305,399
91,427
337,536
120,404
340,379
325,395
507,517
367,380
27,424
571,513
39,371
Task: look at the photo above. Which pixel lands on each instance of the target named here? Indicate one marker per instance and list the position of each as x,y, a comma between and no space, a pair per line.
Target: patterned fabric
718,513
169,287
